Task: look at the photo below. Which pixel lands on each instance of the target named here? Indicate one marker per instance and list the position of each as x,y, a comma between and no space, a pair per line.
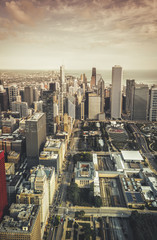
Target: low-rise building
9,168
13,184
148,194
57,146
84,174
49,159
39,190
23,223
13,157
152,181
131,156
131,191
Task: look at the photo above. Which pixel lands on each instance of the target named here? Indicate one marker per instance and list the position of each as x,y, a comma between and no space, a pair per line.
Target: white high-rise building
62,74
116,95
55,109
153,104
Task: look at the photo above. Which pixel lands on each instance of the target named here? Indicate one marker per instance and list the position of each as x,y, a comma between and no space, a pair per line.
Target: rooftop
21,219
36,117
52,143
45,155
84,170
132,156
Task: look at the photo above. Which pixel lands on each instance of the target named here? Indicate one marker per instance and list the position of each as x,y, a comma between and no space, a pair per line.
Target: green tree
82,213
97,201
74,193
87,231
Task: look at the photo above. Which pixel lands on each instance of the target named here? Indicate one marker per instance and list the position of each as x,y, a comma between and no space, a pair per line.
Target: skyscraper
3,99
101,94
62,74
21,107
35,137
141,102
48,109
28,95
12,93
94,71
70,106
116,95
153,104
3,189
93,100
93,78
35,94
60,104
130,91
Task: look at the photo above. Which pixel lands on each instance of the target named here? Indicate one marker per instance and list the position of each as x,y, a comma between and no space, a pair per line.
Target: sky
81,34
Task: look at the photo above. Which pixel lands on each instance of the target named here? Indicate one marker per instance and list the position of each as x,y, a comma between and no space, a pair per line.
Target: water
141,76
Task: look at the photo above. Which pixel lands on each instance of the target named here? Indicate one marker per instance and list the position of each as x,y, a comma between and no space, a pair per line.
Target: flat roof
134,197
131,156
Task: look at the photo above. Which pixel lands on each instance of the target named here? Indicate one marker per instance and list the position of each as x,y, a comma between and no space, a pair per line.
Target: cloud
18,14
24,12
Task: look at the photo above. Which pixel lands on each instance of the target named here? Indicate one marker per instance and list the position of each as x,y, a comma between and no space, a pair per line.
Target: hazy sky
44,34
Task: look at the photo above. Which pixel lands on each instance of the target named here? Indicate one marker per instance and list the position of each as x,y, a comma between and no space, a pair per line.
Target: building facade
116,94
153,104
130,91
35,137
3,188
141,102
28,95
23,223
48,109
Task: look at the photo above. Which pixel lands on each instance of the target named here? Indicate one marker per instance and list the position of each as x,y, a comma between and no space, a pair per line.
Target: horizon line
66,69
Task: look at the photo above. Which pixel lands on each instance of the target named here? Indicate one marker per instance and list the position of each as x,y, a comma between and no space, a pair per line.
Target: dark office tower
93,78
3,99
35,137
101,94
28,95
35,95
70,106
86,110
94,71
153,104
52,87
3,188
22,95
1,82
84,78
130,91
48,109
141,102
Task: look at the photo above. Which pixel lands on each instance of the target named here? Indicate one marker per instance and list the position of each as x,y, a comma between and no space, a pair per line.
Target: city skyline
78,34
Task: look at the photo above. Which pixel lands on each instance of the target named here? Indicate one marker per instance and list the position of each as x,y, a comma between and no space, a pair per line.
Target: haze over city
79,34
78,119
